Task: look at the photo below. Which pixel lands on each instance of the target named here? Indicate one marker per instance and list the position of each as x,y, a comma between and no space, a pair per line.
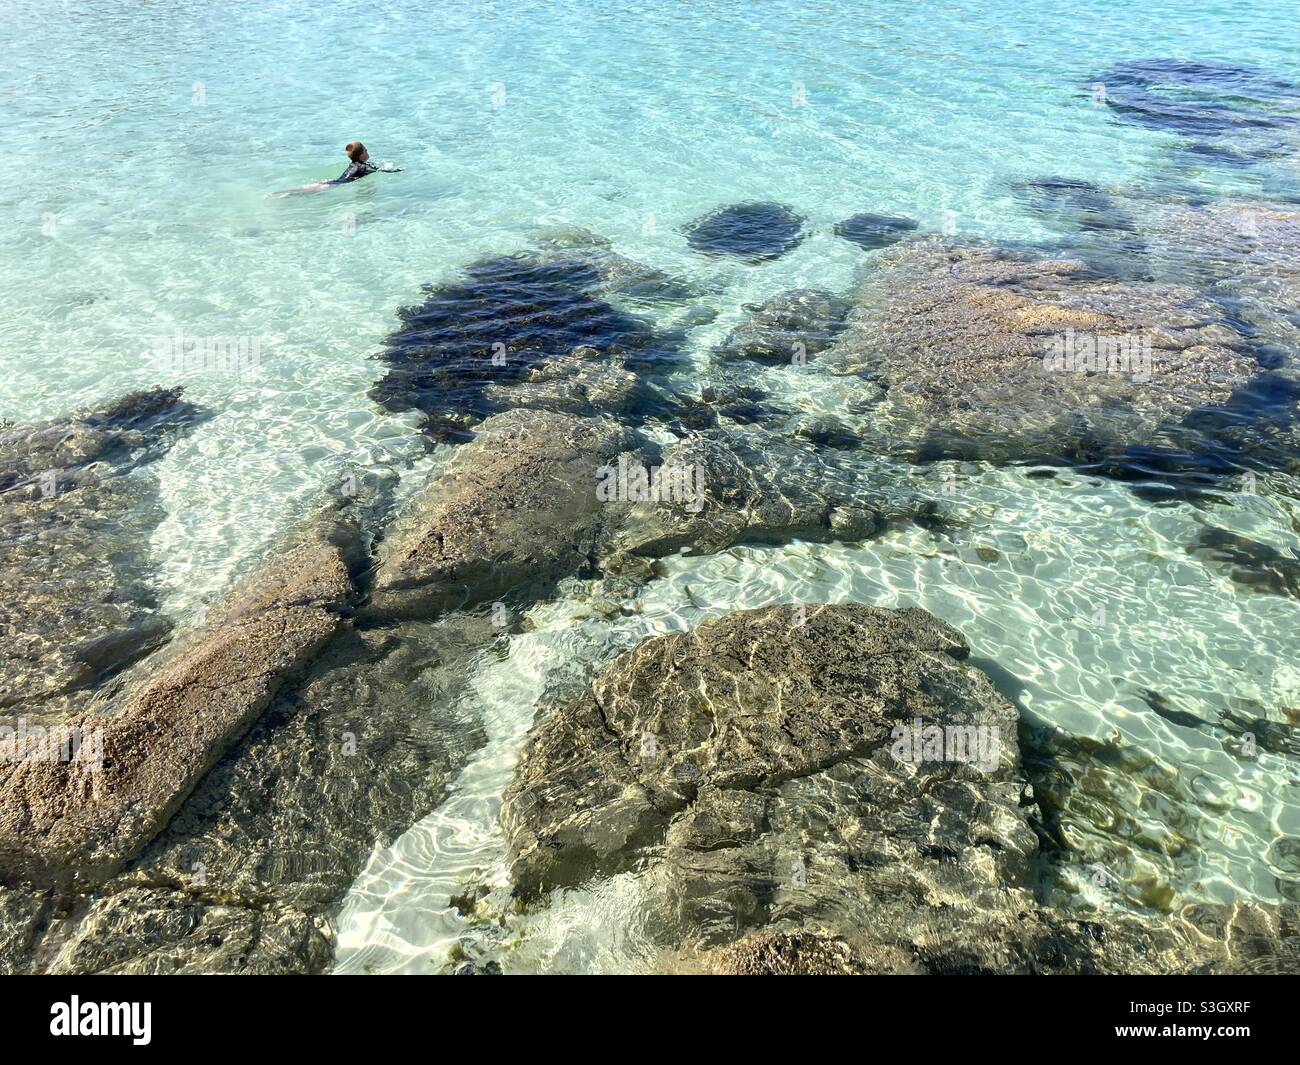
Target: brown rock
516,509
951,342
76,820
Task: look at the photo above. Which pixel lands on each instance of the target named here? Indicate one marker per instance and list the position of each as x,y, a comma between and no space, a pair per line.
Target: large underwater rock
752,488
539,496
76,513
828,789
1201,939
515,510
249,874
871,231
73,821
1246,256
139,931
751,769
582,382
975,351
752,232
789,327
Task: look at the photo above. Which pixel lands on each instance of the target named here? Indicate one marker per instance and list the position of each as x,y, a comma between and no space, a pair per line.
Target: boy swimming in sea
359,166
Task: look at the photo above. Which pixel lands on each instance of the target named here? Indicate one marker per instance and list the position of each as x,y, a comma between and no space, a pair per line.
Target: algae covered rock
974,351
754,232
477,344
788,328
870,231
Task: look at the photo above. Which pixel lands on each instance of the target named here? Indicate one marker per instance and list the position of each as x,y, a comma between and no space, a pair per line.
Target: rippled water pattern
146,138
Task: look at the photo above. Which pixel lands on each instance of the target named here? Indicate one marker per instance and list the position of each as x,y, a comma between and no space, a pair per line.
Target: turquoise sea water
146,136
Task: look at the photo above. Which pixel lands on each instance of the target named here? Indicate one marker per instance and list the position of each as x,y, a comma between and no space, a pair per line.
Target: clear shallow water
1076,596
149,137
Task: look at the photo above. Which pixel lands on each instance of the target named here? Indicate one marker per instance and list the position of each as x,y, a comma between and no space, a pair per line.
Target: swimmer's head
356,151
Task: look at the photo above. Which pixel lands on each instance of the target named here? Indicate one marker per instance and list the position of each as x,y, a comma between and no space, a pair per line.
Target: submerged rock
1199,99
871,231
755,489
827,789
127,432
1092,226
23,914
617,277
1247,258
540,496
245,781
454,355
690,735
139,931
788,954
762,771
579,383
74,820
76,600
248,875
1249,563
1247,255
1075,203
787,328
755,232
975,352
514,511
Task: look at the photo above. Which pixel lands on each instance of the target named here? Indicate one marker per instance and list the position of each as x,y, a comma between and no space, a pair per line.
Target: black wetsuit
354,171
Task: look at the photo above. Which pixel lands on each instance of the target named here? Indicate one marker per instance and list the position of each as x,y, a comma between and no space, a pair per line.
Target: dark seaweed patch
755,232
1201,152
507,317
1195,99
870,231
1093,227
1079,204
1249,563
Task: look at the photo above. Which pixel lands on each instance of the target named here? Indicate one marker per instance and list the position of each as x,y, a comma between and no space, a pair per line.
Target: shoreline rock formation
745,770
248,772
521,507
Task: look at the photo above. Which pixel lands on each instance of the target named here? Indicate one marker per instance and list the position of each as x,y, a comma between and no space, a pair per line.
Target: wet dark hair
354,150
